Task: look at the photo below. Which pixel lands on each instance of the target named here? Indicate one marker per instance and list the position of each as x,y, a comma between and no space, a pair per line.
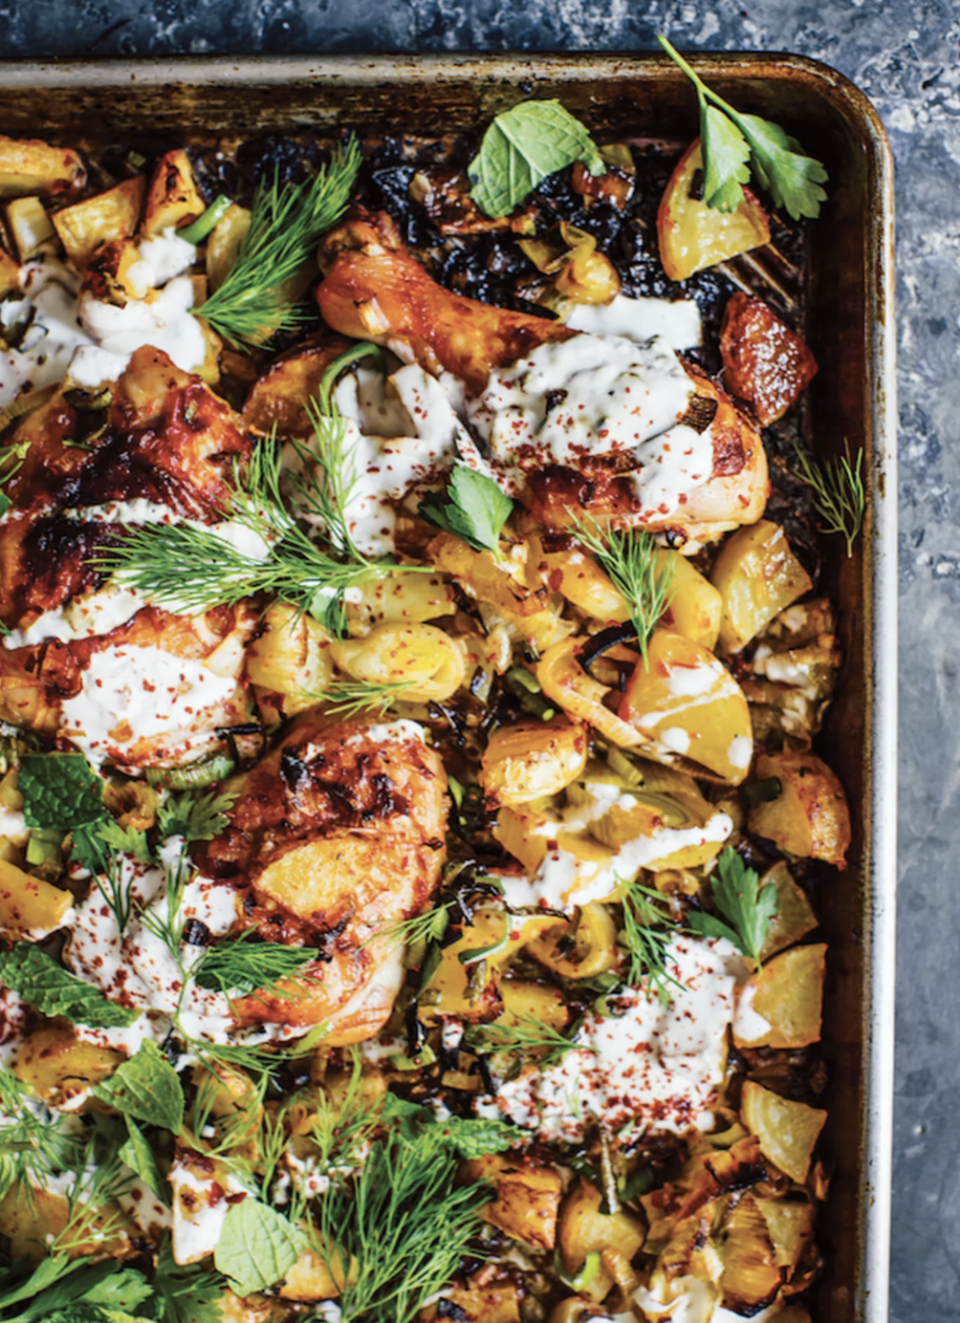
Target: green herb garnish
257,1247
632,560
402,1224
51,990
839,497
528,1037
739,898
238,966
648,933
521,147
730,139
473,508
60,790
286,224
189,1293
147,1088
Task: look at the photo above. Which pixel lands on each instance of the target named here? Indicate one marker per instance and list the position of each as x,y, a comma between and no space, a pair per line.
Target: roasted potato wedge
530,760
810,818
693,235
786,1131
28,165
86,225
781,1005
757,575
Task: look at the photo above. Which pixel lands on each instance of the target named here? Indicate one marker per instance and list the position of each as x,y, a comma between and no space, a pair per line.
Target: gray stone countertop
905,54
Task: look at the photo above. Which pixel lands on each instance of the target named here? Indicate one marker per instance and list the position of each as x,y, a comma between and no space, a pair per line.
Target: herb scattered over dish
734,144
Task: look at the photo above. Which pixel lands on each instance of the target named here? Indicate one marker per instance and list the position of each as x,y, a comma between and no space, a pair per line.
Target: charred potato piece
86,225
530,760
527,1198
28,165
765,363
172,198
794,917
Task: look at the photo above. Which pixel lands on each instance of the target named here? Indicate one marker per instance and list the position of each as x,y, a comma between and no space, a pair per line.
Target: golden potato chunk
28,904
583,1229
533,759
692,235
688,708
28,165
794,917
86,225
172,198
781,1005
758,576
810,818
60,1068
527,1198
786,1131
694,605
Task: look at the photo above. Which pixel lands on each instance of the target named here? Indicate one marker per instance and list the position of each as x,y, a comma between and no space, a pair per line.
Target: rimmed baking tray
852,332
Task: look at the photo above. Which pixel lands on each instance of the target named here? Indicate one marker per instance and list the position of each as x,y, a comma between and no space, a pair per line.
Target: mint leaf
469,1137
521,147
725,157
257,1247
472,1138
138,1155
146,1087
190,1293
52,990
60,790
737,895
473,509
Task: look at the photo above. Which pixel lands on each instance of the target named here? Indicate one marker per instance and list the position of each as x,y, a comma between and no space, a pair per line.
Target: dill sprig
839,497
32,1146
93,1215
286,224
349,698
527,1037
426,927
239,966
631,559
402,1224
648,933
188,568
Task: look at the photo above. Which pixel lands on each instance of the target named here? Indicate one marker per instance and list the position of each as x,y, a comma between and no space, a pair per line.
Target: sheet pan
852,332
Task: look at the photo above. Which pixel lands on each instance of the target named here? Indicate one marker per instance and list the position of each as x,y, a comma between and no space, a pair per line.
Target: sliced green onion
194,777
201,227
352,355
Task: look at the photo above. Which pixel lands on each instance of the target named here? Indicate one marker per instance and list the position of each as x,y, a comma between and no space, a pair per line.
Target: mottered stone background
905,54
